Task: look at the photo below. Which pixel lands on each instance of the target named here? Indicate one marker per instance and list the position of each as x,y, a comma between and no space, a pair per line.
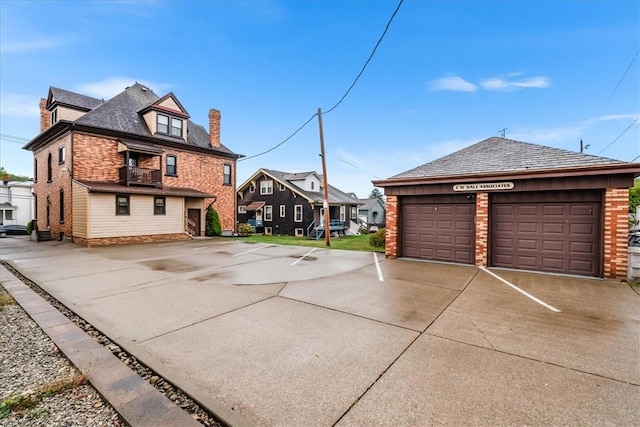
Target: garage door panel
439,231
567,239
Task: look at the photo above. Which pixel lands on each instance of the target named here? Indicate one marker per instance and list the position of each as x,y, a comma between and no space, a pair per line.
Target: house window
172,165
266,187
61,205
61,155
342,213
354,212
176,127
49,168
242,209
281,187
54,116
163,124
299,232
122,205
313,185
227,175
268,213
8,214
252,188
283,210
159,205
268,231
297,213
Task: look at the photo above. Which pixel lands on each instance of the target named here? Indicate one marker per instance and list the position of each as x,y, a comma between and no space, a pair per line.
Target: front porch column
482,228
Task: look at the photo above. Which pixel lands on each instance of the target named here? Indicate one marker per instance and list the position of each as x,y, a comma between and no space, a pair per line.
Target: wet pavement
283,335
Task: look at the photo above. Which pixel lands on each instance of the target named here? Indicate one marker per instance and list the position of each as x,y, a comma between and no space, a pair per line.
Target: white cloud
17,105
506,84
611,117
453,83
28,45
111,86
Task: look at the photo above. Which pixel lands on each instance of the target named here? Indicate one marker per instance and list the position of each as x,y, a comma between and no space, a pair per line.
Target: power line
13,138
638,157
623,132
343,96
624,74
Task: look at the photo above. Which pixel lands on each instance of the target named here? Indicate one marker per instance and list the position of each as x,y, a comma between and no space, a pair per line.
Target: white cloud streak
503,84
453,83
33,44
18,105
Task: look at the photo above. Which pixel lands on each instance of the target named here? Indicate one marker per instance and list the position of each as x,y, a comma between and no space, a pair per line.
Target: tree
634,197
13,177
213,227
377,194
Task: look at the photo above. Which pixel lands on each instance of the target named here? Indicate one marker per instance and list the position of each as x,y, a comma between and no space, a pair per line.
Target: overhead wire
619,136
624,74
343,96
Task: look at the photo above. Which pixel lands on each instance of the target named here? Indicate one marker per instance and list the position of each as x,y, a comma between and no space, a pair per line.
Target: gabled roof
71,99
120,114
336,196
368,203
504,155
155,105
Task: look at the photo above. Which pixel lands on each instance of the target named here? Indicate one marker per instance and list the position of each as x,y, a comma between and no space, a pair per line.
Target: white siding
141,221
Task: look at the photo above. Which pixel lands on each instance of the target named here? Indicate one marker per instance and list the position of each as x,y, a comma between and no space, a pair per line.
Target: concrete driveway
290,336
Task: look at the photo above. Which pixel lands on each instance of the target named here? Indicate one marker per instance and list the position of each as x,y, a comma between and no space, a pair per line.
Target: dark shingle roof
111,187
74,99
335,195
120,113
504,155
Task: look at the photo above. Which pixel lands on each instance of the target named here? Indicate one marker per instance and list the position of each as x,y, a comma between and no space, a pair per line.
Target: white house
16,202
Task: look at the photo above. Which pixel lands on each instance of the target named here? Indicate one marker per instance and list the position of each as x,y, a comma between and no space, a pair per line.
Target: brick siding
616,230
391,237
482,228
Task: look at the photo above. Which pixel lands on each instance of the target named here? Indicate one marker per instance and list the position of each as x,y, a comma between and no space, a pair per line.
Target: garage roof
498,155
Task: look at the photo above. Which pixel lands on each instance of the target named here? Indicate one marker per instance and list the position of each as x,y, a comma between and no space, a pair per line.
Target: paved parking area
284,335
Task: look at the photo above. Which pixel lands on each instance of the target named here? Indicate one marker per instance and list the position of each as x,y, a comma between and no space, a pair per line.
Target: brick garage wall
45,190
391,237
482,228
206,173
616,231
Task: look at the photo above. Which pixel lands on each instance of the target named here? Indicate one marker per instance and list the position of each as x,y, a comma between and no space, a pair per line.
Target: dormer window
54,116
169,125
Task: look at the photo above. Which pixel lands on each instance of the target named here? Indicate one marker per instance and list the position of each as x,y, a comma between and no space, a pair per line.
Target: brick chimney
214,128
45,115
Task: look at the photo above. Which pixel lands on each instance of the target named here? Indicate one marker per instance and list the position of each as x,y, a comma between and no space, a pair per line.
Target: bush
377,239
29,227
213,227
245,229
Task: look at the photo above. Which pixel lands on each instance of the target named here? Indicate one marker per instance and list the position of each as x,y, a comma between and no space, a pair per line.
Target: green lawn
350,243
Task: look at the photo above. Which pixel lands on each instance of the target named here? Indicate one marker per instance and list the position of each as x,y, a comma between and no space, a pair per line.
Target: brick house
130,169
510,204
277,202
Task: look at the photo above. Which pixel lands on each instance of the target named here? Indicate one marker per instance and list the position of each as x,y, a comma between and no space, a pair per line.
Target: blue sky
447,74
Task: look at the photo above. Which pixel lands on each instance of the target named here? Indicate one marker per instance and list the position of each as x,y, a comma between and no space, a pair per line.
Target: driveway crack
484,334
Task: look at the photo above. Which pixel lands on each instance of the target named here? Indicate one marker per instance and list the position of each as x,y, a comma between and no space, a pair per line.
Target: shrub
29,227
245,229
213,227
377,239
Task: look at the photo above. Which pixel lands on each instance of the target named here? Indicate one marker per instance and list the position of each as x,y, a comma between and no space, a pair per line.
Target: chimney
45,115
214,128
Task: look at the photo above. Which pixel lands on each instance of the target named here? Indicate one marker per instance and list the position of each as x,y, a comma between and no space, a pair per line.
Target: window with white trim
61,155
268,213
297,213
242,209
283,211
281,187
342,213
169,125
266,186
299,232
354,212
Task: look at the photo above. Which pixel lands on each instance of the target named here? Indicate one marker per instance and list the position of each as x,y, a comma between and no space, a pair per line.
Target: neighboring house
130,169
16,202
371,212
276,202
505,203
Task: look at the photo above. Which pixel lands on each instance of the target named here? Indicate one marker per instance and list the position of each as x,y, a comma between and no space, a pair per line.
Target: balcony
130,175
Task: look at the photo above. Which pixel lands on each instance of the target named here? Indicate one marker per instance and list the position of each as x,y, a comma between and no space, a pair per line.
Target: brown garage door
438,228
557,232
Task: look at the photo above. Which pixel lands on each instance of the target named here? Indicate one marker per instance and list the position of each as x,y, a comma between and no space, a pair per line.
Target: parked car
13,230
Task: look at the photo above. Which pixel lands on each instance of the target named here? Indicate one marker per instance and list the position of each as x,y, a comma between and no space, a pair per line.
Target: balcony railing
130,175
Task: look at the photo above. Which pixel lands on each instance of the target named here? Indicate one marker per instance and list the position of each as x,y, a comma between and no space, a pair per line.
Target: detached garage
505,203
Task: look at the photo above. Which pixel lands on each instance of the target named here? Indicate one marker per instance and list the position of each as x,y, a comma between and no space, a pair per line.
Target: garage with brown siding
511,204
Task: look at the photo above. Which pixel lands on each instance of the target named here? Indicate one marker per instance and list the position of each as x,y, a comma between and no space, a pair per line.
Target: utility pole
325,184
